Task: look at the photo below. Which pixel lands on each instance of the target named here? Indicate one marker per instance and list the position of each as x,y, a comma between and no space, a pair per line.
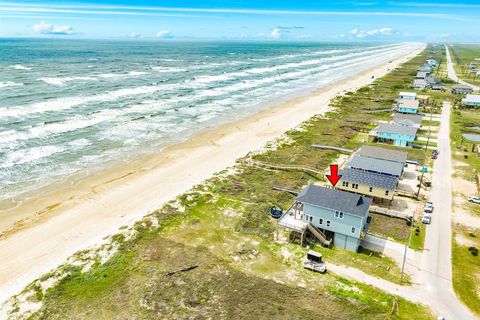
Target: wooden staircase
319,235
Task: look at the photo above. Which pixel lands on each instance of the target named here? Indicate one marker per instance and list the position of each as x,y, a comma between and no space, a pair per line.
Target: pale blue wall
401,140
346,242
407,110
337,225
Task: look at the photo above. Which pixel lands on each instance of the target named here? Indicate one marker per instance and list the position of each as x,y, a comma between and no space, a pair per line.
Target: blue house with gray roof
337,214
394,134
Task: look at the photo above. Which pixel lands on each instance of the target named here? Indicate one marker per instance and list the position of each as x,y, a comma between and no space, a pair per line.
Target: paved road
435,276
451,72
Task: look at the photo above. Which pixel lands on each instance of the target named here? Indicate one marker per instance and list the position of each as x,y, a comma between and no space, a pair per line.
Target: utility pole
407,244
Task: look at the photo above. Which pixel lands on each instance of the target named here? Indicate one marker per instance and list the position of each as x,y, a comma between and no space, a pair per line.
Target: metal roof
408,103
395,128
421,74
337,200
382,153
376,165
462,86
371,179
408,94
472,98
415,118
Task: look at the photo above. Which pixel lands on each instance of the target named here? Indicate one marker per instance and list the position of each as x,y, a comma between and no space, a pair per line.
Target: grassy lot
466,265
466,271
222,231
462,56
398,230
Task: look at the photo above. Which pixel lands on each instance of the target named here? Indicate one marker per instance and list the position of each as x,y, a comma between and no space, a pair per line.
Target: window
311,218
321,221
386,192
354,185
341,215
370,189
353,230
328,223
346,184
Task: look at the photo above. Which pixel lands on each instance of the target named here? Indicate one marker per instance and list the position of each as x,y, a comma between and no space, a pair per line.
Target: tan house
374,185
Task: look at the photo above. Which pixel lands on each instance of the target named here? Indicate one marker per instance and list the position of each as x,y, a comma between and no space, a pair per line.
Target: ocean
74,107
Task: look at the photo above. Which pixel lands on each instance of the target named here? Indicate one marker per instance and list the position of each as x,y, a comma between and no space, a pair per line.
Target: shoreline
125,195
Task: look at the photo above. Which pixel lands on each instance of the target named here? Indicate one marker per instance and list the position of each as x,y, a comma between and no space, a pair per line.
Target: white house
408,95
419,84
471,100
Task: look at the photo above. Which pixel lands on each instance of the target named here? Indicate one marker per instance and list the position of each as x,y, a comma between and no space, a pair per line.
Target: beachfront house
438,86
407,106
386,154
371,184
461,89
408,96
432,62
471,100
425,68
380,166
394,134
409,120
339,215
419,84
421,75
431,80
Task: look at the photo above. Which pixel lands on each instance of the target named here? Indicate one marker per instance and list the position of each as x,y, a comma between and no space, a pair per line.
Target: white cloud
133,35
164,34
47,28
386,32
277,33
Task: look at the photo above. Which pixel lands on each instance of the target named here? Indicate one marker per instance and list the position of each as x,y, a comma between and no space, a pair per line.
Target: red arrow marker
333,177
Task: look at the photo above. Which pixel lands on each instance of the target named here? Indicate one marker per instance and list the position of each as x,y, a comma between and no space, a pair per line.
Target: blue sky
249,20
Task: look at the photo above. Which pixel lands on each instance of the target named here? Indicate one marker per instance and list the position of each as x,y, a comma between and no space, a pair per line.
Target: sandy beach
76,217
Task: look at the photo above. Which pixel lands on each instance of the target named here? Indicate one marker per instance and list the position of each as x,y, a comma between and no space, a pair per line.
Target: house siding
365,190
407,110
342,227
398,139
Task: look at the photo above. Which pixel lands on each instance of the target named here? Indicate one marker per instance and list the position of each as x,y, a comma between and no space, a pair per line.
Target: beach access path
35,250
451,72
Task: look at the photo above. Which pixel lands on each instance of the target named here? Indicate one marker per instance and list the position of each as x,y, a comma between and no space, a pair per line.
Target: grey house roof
382,153
415,118
376,165
394,128
335,200
421,74
371,179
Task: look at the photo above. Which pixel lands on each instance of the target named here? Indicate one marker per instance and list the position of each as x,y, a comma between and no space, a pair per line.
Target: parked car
474,199
314,262
428,207
426,218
